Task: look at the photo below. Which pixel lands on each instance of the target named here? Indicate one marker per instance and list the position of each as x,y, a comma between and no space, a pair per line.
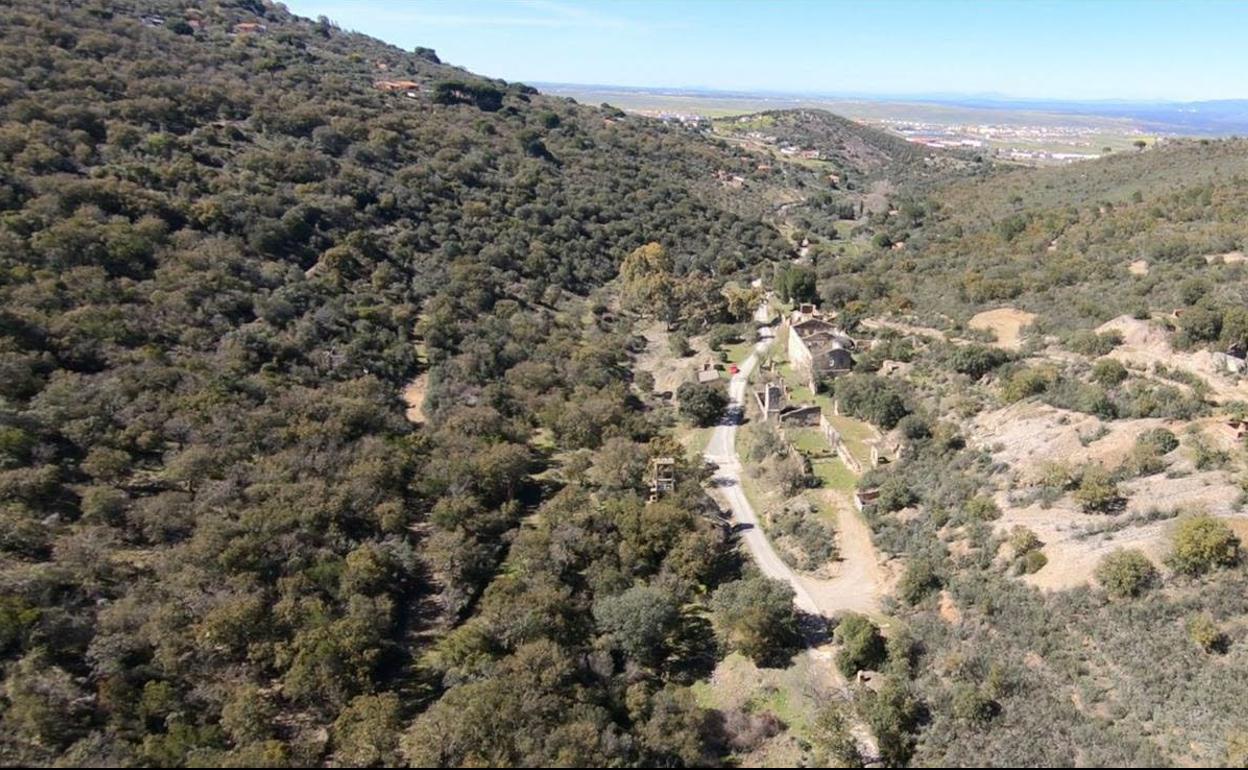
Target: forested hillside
231,238
1061,242
227,245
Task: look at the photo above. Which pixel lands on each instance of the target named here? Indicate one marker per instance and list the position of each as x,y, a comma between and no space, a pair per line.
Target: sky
1185,50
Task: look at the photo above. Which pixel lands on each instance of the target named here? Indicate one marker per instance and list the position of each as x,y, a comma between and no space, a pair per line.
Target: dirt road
722,450
858,585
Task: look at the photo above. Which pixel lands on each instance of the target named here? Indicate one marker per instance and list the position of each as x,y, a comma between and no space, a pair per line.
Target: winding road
722,450
860,581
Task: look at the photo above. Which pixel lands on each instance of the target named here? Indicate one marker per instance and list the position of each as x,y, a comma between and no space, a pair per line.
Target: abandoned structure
708,372
817,346
864,497
770,400
662,476
774,407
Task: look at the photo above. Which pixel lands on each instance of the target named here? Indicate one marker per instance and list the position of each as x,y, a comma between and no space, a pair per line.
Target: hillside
855,152
337,381
1139,232
231,238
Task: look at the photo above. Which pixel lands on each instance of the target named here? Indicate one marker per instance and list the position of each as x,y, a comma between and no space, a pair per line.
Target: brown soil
1146,344
1006,322
414,398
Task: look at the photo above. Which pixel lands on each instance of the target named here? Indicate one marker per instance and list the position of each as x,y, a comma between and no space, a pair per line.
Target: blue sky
1089,49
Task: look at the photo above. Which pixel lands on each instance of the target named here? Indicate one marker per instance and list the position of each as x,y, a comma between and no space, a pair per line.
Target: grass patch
739,352
833,474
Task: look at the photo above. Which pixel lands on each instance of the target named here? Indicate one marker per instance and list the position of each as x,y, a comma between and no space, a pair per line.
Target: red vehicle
732,369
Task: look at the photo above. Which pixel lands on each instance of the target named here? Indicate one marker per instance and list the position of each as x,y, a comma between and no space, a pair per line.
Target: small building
662,476
770,400
708,372
801,415
864,497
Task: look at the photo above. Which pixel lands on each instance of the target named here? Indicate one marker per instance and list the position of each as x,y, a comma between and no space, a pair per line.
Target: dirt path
860,581
825,598
905,328
414,398
722,450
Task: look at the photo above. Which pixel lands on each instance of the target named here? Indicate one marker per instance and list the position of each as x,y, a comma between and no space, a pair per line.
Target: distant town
1032,135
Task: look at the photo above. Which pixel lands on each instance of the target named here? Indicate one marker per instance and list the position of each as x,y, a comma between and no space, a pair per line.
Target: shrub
914,427
1143,460
1202,543
1109,372
1164,440
701,403
1089,343
1126,573
1024,541
871,398
1097,492
639,621
1204,632
721,335
1031,563
919,579
862,647
975,361
981,508
895,495
971,705
678,344
834,743
1028,381
755,617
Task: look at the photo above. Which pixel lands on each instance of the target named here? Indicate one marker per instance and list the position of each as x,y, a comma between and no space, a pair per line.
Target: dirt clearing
1146,344
1229,258
1138,267
1029,434
1005,322
414,398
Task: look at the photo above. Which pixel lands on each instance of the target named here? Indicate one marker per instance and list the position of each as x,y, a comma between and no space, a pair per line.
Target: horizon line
922,96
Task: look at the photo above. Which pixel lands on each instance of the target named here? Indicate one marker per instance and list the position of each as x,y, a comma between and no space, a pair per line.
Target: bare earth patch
1146,344
949,609
1229,258
793,695
1006,322
858,579
1074,554
414,398
1138,267
669,372
1028,434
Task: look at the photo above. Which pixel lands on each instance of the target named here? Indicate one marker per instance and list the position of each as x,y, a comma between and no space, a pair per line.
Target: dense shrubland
223,257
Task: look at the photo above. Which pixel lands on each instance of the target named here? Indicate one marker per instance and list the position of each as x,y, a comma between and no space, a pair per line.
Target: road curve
722,450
